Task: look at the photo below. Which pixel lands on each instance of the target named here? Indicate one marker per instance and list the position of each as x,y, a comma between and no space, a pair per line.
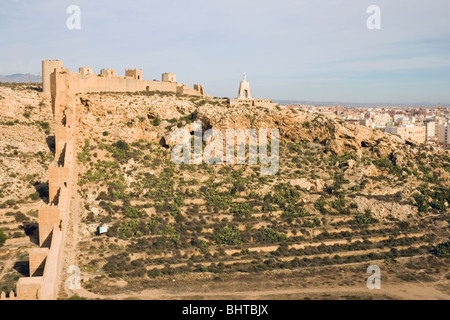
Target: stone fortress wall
58,83
107,81
46,261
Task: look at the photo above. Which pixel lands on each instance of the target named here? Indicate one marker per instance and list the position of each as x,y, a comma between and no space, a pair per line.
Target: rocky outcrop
296,126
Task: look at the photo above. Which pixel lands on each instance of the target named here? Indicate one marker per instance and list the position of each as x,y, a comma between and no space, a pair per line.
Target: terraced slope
345,197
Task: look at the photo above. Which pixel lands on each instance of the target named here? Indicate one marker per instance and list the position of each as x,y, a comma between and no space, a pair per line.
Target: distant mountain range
20,77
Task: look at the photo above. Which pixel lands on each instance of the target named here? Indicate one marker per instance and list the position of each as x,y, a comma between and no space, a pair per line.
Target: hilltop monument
244,89
245,97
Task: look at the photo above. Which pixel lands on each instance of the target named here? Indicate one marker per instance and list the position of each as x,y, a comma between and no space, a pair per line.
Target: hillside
345,197
26,146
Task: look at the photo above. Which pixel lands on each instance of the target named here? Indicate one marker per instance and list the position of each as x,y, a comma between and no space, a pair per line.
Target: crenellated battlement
45,262
8,296
60,83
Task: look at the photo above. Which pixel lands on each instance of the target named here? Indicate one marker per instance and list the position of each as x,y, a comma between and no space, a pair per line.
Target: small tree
228,235
2,238
157,121
272,235
420,201
365,218
241,211
442,250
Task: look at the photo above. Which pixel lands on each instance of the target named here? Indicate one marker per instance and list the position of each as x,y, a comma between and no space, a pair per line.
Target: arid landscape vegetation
345,197
26,147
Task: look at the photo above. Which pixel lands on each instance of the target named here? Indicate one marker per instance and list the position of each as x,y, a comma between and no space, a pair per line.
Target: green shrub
170,231
44,125
129,229
157,121
422,205
218,200
241,211
121,145
228,235
179,200
21,217
320,205
272,235
442,250
365,218
10,202
311,223
440,195
2,238
84,154
133,212
153,224
175,210
154,273
284,194
121,151
293,211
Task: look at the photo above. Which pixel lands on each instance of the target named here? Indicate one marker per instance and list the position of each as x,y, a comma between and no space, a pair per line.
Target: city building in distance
419,124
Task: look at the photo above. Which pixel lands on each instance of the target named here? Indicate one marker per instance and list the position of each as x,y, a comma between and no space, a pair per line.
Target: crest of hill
135,114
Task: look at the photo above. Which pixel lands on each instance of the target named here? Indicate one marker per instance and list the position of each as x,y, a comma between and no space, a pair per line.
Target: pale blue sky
290,49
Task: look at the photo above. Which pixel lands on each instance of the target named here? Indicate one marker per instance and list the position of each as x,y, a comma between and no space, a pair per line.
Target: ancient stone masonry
58,83
45,262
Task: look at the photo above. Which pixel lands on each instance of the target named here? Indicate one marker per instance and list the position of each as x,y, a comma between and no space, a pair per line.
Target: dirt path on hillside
414,291
332,282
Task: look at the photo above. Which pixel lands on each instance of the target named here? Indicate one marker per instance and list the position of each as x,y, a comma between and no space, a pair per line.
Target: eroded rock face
398,158
296,126
133,117
155,118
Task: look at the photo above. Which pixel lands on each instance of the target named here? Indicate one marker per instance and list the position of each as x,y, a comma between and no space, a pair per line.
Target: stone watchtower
109,73
48,67
86,71
169,77
134,73
244,89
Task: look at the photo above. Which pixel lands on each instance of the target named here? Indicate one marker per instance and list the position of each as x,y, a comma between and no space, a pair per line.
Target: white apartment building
415,133
444,134
430,128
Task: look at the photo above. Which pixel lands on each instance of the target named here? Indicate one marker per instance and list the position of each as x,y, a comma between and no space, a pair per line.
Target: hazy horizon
290,50
24,77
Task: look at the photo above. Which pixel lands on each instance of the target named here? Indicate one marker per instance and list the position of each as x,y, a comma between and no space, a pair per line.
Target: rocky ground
345,197
26,146
344,194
